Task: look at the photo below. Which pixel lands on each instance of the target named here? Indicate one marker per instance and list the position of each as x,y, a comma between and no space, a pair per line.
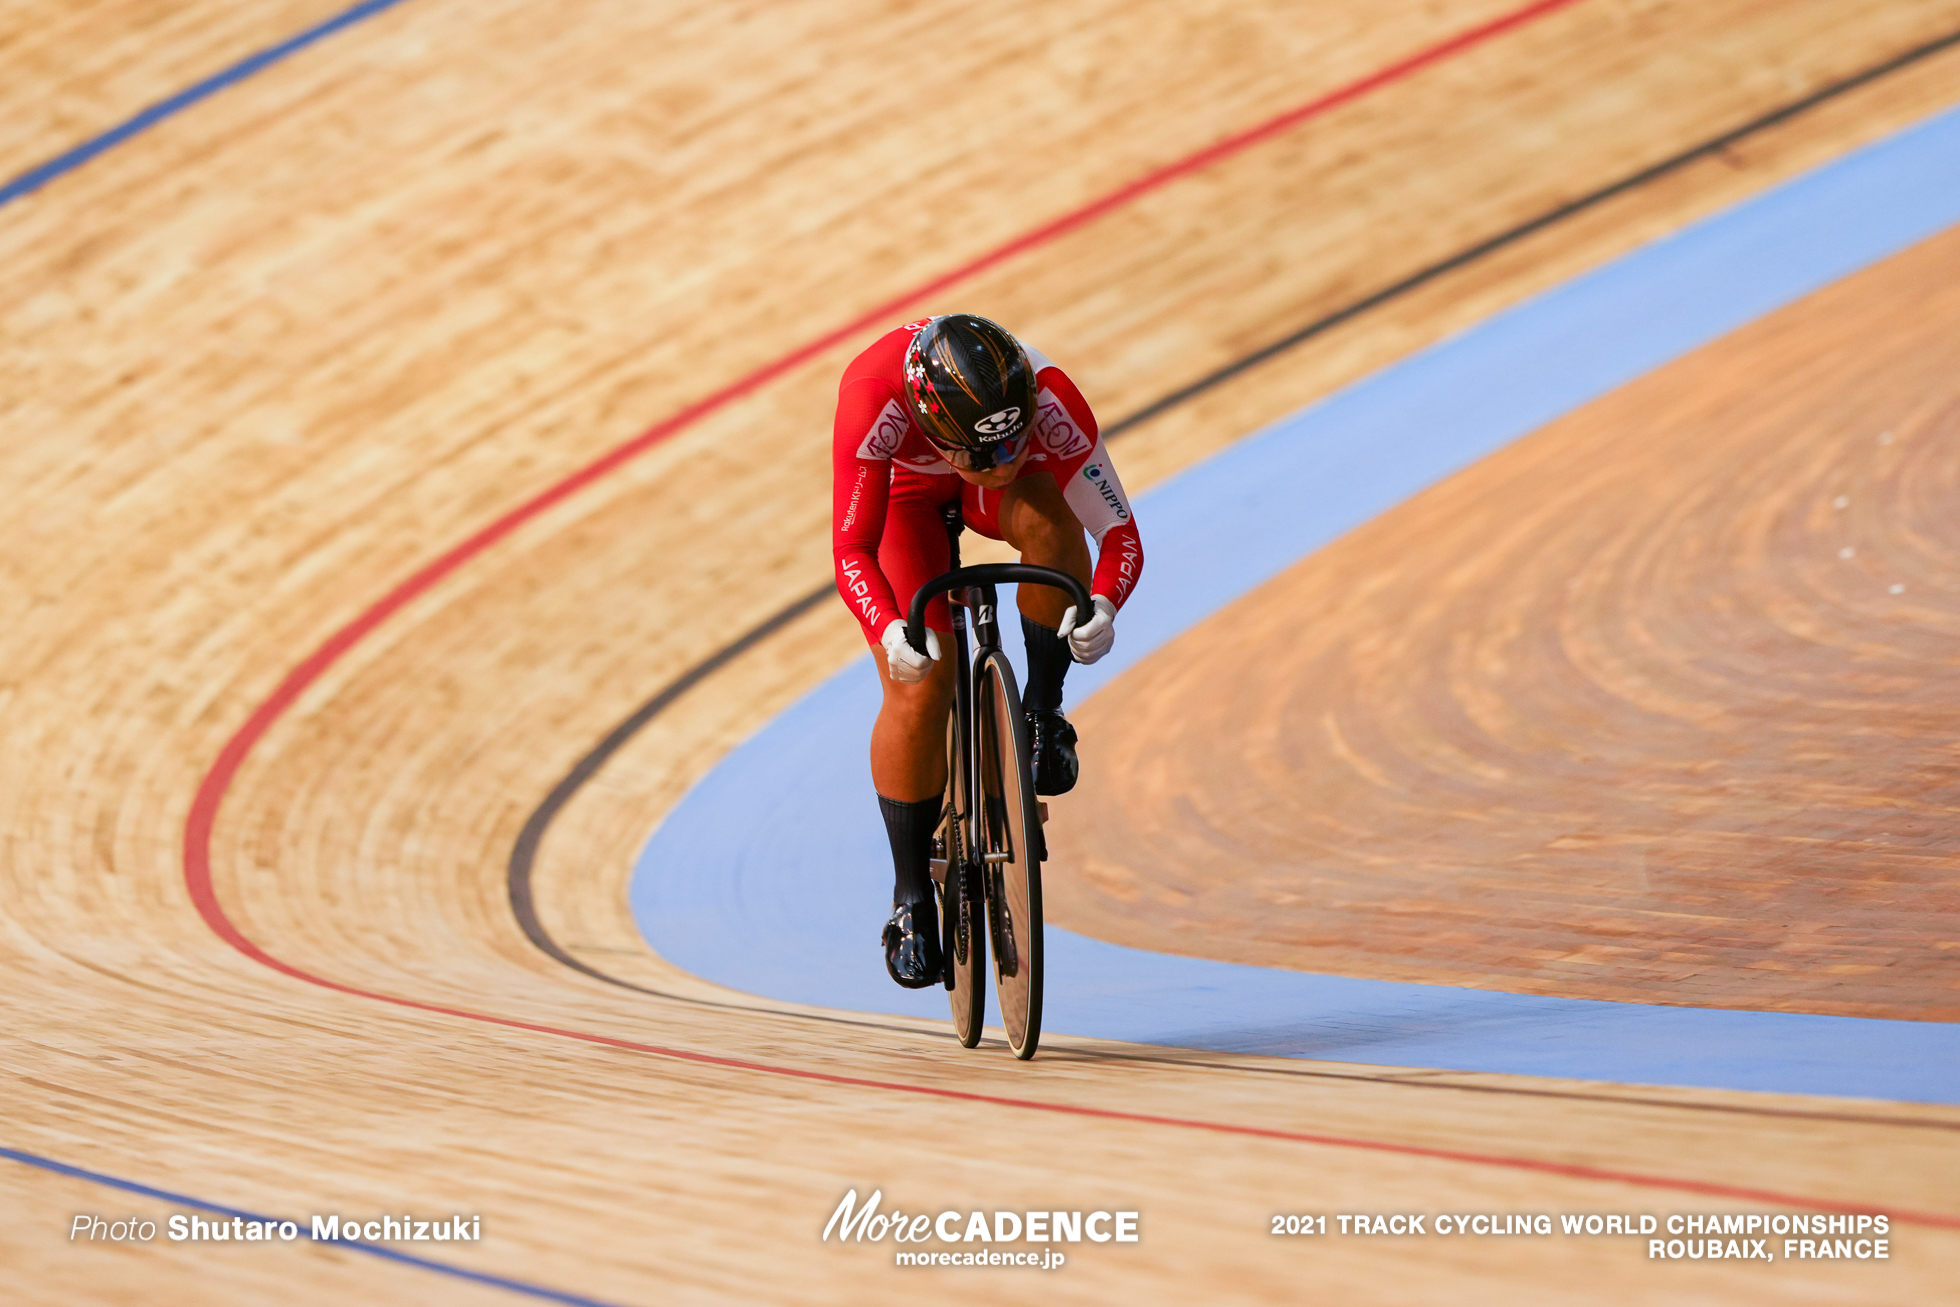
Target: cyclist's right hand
907,665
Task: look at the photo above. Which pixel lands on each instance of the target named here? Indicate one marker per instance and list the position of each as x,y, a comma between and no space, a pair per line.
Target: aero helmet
971,386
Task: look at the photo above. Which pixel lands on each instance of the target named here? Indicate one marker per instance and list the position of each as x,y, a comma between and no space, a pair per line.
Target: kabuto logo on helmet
968,383
998,424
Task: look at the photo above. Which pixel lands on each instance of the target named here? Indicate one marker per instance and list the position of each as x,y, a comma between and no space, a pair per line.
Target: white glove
908,666
1093,639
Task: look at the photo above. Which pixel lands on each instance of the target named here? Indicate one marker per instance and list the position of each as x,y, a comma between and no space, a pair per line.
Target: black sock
910,827
1048,661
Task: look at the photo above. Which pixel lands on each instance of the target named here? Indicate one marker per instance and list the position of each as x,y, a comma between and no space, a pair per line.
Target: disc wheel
962,919
1010,853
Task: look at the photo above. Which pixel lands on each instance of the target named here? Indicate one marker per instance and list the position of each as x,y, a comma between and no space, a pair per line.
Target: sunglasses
985,457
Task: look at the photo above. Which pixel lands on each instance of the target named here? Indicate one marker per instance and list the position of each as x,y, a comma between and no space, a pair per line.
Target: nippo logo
1093,472
995,424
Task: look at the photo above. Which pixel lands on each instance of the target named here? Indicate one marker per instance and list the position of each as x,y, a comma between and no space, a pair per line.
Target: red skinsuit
889,483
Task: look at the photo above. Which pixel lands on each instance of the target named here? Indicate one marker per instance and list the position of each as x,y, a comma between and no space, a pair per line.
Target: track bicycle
986,858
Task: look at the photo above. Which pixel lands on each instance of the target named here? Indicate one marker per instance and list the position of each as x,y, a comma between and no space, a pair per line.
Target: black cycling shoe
912,951
1052,742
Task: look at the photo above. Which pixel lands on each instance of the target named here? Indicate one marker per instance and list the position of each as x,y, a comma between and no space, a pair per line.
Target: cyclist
954,409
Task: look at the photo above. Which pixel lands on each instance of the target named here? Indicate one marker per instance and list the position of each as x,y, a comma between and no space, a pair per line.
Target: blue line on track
35,178
771,876
352,1245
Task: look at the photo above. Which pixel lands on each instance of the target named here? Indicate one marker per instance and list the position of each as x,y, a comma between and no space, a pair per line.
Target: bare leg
908,769
1036,520
908,742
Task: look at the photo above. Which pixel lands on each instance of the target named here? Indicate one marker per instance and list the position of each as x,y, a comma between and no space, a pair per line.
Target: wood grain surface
1656,704
263,361
74,69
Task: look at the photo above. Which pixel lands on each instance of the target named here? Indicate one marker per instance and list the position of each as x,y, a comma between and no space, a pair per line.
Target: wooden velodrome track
269,358
1654,705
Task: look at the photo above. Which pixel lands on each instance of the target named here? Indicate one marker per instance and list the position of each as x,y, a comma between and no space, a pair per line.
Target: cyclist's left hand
1093,638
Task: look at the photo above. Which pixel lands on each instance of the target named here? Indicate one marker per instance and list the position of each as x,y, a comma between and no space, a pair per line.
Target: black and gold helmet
972,388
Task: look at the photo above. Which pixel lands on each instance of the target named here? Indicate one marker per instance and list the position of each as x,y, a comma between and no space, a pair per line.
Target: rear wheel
961,915
1010,852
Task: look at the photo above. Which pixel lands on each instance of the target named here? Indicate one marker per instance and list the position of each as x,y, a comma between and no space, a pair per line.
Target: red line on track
198,826
1566,1169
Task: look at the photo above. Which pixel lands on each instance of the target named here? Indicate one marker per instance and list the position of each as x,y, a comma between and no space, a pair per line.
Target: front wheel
1010,851
962,919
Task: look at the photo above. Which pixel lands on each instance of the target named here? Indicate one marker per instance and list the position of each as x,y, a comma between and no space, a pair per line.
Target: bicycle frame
984,601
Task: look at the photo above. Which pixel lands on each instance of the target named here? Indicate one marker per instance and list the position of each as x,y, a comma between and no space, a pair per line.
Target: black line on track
524,853
1463,258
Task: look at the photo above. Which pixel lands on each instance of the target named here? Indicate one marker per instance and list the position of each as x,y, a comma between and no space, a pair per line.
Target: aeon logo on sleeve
995,424
1059,434
887,432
